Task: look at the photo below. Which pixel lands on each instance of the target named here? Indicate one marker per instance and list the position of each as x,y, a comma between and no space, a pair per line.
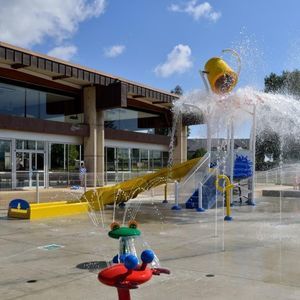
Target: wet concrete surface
256,256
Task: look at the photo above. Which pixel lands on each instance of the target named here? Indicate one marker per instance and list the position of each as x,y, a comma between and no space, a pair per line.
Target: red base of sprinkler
119,276
130,275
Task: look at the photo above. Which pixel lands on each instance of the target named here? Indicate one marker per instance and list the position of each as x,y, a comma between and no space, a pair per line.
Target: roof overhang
75,75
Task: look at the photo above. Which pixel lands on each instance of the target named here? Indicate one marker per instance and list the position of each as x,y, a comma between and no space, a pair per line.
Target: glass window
144,163
110,159
129,120
29,145
165,158
37,161
5,156
26,144
57,107
73,158
135,159
57,157
156,160
32,104
123,159
40,145
64,157
19,144
12,100
5,164
22,161
51,108
64,162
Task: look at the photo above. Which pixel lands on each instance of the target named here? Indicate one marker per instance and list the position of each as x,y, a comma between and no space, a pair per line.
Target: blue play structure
208,195
243,169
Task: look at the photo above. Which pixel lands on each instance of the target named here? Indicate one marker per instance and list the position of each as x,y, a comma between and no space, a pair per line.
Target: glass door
22,169
37,169
30,167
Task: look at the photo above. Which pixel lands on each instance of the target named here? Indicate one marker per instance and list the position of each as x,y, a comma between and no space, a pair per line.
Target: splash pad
127,273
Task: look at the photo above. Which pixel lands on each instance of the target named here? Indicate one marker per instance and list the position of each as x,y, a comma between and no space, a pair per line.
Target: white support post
208,134
231,157
200,199
202,74
208,137
251,182
176,206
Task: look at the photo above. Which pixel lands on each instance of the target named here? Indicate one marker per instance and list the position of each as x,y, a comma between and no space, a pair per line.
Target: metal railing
5,181
61,179
288,175
189,184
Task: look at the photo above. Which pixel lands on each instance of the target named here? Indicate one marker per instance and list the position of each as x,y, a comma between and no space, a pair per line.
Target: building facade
55,114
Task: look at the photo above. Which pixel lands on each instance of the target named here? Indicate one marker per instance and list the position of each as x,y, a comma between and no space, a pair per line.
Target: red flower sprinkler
129,274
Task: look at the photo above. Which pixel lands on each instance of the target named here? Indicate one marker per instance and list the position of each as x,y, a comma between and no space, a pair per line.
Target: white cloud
197,11
63,52
29,22
114,51
178,61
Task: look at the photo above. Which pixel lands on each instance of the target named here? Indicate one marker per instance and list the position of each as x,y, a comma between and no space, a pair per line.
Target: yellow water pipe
225,189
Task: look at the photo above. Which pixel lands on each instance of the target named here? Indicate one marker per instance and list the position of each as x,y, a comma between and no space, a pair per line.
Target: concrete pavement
256,256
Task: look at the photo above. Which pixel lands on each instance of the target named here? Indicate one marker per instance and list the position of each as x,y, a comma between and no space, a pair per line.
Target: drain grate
210,275
50,247
31,281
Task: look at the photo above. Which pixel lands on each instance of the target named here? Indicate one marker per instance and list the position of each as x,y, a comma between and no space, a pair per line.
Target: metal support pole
208,145
85,180
202,74
176,206
231,157
200,200
166,193
251,182
37,187
208,133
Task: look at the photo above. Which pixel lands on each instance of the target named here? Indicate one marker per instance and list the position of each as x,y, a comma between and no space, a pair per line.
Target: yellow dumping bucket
222,79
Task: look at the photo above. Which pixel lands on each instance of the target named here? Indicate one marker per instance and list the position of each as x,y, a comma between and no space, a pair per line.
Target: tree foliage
267,145
269,142
287,83
177,90
198,153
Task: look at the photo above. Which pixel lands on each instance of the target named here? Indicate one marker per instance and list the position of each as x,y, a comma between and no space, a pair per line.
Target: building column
100,148
180,149
94,143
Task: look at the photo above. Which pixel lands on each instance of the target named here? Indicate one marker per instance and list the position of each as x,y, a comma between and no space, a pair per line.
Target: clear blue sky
133,38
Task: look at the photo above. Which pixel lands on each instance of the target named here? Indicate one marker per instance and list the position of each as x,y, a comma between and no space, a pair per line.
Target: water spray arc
219,80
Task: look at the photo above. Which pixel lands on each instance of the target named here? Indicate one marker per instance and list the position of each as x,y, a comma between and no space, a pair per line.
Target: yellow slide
96,199
129,189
